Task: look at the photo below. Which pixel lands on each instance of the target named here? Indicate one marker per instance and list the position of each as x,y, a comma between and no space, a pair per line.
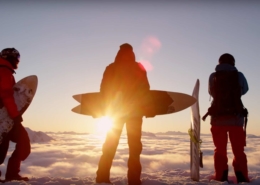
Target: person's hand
18,119
150,112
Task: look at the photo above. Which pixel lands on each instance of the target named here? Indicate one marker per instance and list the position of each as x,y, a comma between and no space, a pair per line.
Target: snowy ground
72,159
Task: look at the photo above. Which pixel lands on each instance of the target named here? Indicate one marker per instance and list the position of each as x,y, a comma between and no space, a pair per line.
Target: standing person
9,60
228,116
124,80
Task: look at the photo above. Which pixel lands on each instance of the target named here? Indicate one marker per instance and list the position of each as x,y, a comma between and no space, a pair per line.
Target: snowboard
194,132
158,103
24,91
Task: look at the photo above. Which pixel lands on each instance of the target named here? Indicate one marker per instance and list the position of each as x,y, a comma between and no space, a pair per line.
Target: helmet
10,52
11,55
227,59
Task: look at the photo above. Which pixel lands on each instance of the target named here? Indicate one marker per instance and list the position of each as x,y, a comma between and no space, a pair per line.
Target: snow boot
241,177
1,181
13,169
16,177
225,176
103,180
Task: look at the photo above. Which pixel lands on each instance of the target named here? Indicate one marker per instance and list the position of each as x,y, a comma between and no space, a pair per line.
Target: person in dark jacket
124,87
9,60
229,125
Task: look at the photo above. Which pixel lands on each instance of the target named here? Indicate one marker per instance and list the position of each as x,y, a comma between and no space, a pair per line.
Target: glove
18,119
150,112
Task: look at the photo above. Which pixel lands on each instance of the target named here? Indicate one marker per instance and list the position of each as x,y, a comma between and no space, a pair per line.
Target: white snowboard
195,152
24,91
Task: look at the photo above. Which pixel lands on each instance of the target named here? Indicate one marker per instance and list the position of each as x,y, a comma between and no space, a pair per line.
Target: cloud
165,159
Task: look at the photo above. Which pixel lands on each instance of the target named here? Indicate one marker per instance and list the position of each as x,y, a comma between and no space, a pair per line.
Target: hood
125,55
225,67
6,64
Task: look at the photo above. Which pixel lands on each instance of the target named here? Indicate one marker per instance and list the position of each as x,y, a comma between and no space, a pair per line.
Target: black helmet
10,52
11,55
227,59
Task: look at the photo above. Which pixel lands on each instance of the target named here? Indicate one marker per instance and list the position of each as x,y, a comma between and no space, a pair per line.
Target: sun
103,125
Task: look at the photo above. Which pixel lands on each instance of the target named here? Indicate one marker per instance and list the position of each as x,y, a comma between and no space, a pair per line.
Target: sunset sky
68,44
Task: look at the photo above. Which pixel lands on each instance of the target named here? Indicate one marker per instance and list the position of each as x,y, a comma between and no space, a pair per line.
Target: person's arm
106,83
7,94
243,83
210,84
145,82
107,87
145,95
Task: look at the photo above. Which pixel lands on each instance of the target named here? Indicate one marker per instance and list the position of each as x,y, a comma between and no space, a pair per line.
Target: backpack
226,92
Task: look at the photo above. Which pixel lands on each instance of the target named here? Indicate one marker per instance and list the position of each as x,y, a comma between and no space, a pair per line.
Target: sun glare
150,45
103,125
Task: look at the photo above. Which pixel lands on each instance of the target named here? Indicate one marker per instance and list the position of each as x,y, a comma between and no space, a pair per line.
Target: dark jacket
125,85
7,82
228,120
227,67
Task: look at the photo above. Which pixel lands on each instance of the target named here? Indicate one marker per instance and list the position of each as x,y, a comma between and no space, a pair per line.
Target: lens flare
149,47
147,65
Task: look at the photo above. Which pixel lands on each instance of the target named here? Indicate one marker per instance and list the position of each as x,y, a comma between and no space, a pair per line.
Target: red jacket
7,82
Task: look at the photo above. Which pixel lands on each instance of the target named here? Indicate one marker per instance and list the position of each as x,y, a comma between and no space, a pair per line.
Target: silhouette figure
125,88
9,60
228,116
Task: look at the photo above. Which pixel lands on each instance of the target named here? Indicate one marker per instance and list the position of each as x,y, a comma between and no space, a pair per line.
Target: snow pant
237,139
134,133
18,135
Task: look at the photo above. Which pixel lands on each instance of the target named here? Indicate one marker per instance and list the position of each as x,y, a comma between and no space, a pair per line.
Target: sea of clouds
69,158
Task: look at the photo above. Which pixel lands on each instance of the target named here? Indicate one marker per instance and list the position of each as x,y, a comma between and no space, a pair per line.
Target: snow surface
171,177
71,159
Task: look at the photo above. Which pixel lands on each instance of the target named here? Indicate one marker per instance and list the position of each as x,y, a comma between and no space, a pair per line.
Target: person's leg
220,139
237,139
3,150
22,150
134,133
108,152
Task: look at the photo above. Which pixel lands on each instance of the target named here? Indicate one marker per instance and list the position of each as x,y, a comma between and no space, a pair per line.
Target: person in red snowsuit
124,80
229,125
9,59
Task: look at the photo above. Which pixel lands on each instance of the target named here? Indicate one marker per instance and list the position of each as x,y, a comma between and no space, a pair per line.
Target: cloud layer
73,158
